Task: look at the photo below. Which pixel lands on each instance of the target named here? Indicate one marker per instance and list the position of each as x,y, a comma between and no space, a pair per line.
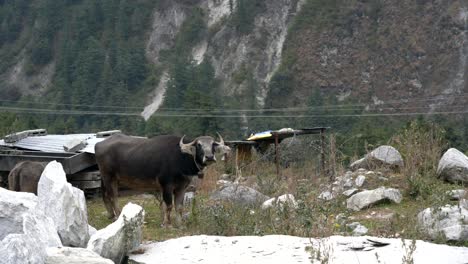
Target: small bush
421,145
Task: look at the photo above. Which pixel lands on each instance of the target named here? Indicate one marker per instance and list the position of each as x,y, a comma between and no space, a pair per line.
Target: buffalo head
203,148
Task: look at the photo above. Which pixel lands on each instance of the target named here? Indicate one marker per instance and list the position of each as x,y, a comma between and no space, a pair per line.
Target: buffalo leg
28,182
167,197
158,196
179,205
106,199
13,181
109,196
113,198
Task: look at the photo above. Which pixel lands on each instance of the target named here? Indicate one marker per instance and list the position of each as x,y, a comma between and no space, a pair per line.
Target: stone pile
52,227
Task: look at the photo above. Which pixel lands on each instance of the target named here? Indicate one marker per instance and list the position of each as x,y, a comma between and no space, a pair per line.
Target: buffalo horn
221,140
184,147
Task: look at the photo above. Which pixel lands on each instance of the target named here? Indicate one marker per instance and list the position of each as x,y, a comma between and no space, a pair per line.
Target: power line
162,114
65,112
323,115
77,105
336,106
307,109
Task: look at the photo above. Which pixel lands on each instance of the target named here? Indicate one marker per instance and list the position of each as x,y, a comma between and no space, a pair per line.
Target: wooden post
237,162
322,151
277,155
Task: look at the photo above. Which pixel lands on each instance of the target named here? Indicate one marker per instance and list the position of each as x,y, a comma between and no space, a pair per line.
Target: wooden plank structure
243,147
74,151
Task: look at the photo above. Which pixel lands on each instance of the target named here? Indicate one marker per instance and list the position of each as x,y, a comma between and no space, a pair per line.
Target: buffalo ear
222,149
188,148
192,150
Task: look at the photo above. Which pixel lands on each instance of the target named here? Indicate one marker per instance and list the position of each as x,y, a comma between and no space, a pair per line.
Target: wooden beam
277,156
322,152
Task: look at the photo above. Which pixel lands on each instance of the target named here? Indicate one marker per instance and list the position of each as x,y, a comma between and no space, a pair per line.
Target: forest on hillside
102,76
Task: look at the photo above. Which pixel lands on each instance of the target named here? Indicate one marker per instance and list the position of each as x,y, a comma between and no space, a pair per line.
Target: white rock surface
68,255
188,198
25,232
350,192
239,194
367,198
65,204
117,239
348,183
92,230
357,229
383,155
326,195
281,201
361,170
450,221
279,249
360,180
458,194
453,166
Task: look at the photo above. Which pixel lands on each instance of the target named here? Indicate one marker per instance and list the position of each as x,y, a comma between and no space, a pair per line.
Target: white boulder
117,239
92,230
326,195
457,194
357,229
381,156
188,198
25,232
360,180
68,255
239,194
65,204
453,167
368,198
281,201
450,221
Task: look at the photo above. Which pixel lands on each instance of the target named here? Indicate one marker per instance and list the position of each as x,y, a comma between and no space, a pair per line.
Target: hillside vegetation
86,66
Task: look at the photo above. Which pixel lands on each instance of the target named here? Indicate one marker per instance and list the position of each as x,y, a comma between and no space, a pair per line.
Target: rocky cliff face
387,52
410,54
258,52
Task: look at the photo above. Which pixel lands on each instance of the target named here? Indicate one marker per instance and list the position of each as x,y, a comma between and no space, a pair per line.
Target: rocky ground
288,249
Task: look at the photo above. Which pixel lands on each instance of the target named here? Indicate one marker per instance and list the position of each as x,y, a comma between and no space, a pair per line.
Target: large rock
368,198
326,195
386,156
61,255
357,229
281,201
457,195
239,194
25,232
280,249
453,167
450,221
117,239
65,204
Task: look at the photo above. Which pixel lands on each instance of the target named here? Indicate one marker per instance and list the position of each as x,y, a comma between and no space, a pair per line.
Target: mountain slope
116,57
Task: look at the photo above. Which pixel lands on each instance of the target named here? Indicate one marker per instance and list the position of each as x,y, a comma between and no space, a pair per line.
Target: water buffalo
25,176
165,164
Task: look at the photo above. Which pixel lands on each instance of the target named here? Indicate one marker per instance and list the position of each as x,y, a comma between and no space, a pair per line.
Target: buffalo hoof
112,217
166,226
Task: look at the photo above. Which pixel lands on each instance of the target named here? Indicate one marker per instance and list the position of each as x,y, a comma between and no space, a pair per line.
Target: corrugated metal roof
54,143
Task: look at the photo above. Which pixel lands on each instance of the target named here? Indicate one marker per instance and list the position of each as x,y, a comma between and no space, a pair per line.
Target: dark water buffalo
25,176
163,164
